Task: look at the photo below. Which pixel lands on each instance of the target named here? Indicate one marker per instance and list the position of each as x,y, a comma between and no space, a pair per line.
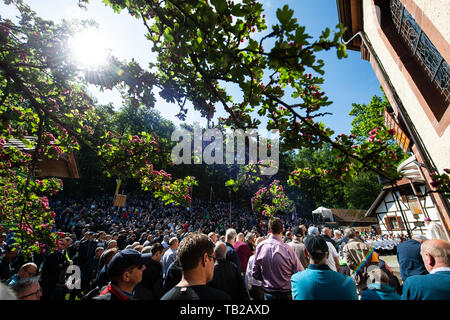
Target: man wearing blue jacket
436,285
409,258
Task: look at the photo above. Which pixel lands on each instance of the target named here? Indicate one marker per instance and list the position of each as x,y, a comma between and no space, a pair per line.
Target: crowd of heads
122,241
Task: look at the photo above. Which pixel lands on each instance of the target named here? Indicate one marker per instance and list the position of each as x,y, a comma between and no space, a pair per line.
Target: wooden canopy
64,167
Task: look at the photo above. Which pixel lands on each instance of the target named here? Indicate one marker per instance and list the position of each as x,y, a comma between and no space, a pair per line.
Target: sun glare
89,49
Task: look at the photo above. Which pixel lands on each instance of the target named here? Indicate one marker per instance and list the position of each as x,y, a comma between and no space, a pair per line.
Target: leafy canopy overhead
205,48
45,105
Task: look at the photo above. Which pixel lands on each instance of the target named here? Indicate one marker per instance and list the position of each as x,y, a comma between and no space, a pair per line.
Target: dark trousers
277,295
256,293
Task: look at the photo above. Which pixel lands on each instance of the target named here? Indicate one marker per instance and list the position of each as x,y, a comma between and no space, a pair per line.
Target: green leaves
342,51
229,183
48,101
220,5
168,35
284,15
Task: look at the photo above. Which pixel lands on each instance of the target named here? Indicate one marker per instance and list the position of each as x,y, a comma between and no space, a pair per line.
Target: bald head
28,270
435,253
326,232
220,250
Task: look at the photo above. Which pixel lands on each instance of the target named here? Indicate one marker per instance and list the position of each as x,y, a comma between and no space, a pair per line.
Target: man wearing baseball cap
125,272
318,281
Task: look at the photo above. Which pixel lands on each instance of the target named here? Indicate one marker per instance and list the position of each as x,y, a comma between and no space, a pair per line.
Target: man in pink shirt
275,263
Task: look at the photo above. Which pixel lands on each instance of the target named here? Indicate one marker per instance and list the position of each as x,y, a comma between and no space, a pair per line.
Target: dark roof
403,186
353,216
377,202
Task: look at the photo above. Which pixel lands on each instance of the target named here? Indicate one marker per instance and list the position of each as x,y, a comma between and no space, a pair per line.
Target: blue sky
346,81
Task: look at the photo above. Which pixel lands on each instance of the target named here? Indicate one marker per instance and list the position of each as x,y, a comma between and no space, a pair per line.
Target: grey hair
378,275
23,284
313,231
6,293
336,232
135,244
249,236
147,249
349,233
419,237
438,252
220,250
173,240
111,241
230,234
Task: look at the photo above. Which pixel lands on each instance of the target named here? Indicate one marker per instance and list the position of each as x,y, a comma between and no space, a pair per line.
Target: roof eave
350,15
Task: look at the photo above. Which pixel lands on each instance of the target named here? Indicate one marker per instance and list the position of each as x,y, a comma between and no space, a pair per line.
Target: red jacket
244,253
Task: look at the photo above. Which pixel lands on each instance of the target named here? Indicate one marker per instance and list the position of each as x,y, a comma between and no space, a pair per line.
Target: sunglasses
211,256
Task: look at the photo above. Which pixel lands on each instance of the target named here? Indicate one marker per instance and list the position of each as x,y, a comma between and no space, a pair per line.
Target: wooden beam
356,18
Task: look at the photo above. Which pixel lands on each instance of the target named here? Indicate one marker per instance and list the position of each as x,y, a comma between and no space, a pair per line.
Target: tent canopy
324,212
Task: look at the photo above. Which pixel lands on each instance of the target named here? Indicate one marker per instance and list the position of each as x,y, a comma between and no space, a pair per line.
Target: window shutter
400,223
388,224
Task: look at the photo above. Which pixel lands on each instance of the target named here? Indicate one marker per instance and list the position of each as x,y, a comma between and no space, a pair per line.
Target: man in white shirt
435,230
254,286
333,257
170,255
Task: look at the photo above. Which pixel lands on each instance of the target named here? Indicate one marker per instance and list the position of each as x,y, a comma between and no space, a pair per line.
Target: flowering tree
42,94
441,182
271,200
204,47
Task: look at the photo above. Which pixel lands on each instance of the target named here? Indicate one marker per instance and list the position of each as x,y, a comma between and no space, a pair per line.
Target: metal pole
230,212
418,200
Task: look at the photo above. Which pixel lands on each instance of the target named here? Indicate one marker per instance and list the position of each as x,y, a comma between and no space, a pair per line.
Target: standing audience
409,259
196,257
137,253
227,277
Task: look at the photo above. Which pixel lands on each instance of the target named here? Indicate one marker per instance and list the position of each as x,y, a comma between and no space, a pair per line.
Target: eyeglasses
38,291
211,256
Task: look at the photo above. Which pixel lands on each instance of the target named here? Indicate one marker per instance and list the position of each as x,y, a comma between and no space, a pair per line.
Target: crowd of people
150,251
